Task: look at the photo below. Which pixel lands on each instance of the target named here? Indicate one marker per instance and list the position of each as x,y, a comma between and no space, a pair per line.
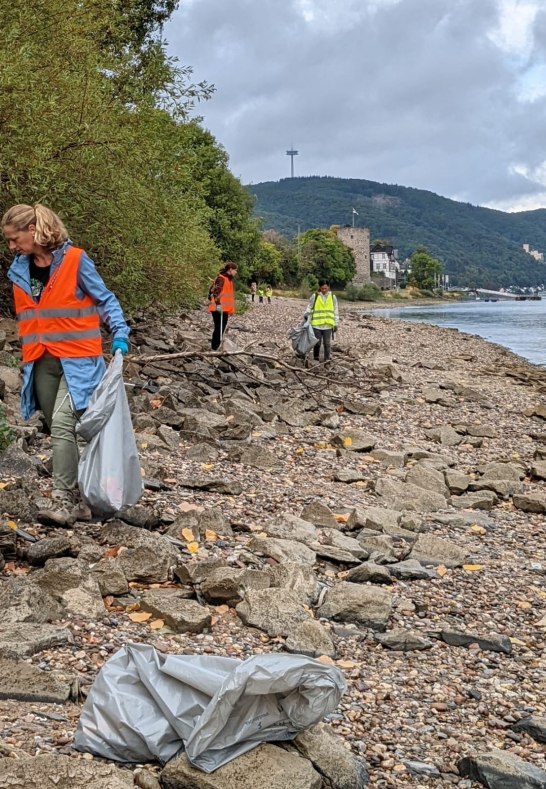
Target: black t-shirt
39,277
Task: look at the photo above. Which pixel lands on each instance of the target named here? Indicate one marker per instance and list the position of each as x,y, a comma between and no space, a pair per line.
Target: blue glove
120,344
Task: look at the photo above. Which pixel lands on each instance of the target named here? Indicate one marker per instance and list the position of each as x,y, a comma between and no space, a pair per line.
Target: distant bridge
499,294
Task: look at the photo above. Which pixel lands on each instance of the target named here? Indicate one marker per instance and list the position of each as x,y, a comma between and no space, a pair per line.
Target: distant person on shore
253,289
269,293
261,294
323,315
222,302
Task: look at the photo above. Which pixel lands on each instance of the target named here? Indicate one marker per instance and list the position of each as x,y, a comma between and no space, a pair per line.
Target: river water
519,326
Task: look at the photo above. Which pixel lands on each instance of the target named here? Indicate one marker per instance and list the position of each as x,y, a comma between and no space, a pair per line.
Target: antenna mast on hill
291,153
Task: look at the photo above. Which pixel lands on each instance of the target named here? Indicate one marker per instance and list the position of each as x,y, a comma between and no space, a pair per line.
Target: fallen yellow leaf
347,441
441,570
187,534
140,616
321,445
193,547
300,450
477,529
144,445
3,485
207,466
12,524
472,568
157,624
210,535
326,659
341,517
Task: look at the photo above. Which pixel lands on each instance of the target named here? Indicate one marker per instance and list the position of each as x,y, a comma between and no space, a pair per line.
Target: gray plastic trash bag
302,338
145,705
109,474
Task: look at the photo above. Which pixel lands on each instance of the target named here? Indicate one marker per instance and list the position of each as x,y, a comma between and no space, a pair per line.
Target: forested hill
478,246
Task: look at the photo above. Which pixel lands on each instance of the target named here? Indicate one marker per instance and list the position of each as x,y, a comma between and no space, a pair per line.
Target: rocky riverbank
384,515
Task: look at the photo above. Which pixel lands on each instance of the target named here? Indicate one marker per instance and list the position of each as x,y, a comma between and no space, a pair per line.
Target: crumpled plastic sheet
148,706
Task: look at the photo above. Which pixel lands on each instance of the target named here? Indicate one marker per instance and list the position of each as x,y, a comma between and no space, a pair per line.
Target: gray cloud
423,93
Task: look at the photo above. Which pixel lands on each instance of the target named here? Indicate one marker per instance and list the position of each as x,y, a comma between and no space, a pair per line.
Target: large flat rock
264,767
25,638
24,682
61,772
502,770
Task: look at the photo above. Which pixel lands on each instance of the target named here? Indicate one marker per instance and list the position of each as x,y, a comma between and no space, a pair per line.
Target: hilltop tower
358,241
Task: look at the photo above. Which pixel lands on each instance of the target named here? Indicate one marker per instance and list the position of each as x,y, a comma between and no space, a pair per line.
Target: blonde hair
50,231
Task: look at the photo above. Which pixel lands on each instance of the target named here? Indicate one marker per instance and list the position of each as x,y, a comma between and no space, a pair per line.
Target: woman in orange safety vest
60,301
222,302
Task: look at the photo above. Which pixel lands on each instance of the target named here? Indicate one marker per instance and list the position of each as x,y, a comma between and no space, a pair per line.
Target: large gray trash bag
146,706
109,474
302,338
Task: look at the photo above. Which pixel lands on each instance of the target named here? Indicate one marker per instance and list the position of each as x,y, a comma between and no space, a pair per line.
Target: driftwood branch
317,372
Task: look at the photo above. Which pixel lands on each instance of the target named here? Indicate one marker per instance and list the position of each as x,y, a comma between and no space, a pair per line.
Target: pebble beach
402,489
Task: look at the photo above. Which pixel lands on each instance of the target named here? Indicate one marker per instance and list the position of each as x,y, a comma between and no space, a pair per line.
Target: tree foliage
110,148
425,270
325,256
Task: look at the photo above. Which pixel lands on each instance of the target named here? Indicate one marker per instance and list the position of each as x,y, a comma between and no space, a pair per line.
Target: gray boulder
265,767
428,478
276,611
289,527
363,605
148,557
326,750
177,612
406,496
403,640
436,550
228,584
283,550
310,638
319,515
502,770
25,639
22,681
297,578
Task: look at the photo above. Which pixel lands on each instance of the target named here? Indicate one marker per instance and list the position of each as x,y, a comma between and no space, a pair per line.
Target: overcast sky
444,95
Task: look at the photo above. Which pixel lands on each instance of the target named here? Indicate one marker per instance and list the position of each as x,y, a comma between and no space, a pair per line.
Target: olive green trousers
55,402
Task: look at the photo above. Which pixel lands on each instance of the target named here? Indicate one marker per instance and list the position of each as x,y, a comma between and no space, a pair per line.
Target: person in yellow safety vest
269,293
323,314
261,294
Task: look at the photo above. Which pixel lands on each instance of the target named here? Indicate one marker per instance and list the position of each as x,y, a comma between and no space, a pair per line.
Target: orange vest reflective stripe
227,297
60,324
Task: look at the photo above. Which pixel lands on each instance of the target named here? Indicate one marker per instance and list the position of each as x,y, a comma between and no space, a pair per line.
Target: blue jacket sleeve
91,283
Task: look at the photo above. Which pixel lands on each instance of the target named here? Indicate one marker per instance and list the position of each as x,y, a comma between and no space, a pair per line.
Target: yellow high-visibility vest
323,312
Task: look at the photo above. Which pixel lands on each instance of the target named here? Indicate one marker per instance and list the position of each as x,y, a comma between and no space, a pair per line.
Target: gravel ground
432,706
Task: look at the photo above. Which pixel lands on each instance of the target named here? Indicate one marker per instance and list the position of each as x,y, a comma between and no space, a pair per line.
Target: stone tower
358,241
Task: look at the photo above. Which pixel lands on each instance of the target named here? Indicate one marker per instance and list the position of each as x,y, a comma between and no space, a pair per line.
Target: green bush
6,435
370,293
351,292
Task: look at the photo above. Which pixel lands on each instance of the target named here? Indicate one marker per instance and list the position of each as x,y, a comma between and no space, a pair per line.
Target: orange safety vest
227,297
60,323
